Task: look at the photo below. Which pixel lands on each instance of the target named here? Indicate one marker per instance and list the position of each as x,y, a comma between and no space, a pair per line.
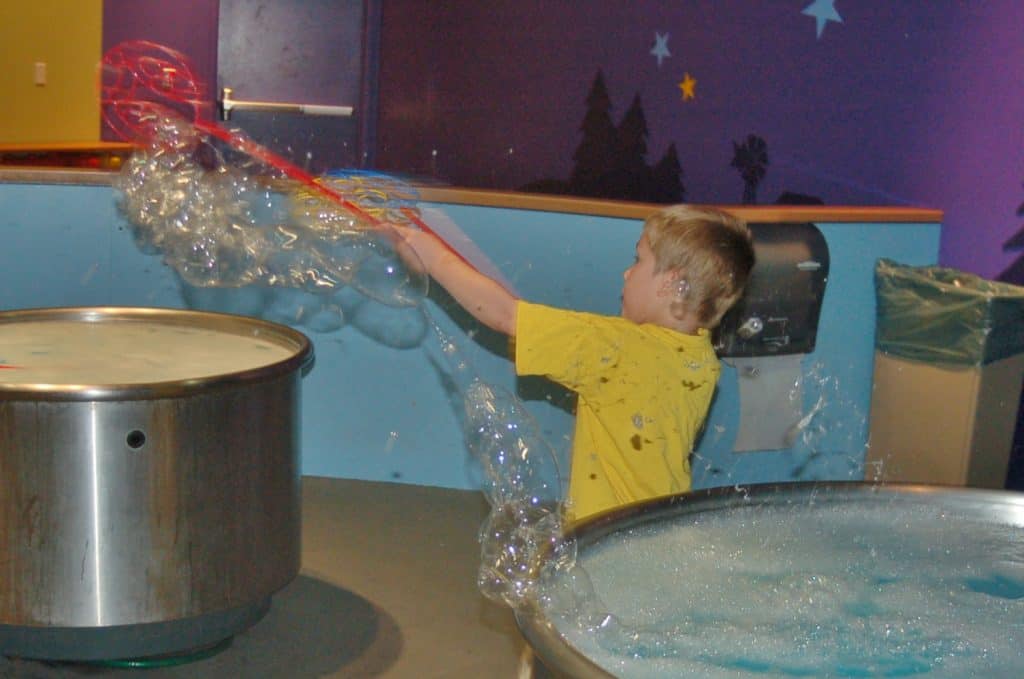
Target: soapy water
217,219
869,588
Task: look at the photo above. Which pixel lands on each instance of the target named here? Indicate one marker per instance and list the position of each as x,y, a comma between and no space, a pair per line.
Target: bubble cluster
523,534
218,219
204,199
815,447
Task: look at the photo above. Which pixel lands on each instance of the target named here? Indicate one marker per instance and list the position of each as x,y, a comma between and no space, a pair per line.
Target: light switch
39,73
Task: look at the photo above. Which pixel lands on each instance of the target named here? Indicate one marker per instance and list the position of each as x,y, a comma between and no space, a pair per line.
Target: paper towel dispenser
778,313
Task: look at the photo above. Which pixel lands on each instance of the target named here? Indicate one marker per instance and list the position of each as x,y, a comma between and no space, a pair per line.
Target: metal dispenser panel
778,313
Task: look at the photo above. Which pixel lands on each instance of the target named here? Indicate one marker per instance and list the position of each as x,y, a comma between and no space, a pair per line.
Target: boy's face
645,294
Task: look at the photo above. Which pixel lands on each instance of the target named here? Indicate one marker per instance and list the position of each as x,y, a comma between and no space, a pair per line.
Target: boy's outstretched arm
487,300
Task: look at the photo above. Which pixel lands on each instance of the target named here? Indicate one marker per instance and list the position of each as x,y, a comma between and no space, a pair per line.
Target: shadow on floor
313,629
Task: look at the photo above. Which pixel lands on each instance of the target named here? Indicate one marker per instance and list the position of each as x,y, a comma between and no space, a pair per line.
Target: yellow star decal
688,86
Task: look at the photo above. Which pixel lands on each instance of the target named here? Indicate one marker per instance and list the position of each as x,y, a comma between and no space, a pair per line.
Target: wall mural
831,101
611,160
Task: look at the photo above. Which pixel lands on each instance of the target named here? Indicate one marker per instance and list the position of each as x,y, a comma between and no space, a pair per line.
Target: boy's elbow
503,318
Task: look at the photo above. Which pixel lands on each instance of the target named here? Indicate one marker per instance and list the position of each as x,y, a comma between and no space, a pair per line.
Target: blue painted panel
371,411
55,246
577,262
838,371
68,246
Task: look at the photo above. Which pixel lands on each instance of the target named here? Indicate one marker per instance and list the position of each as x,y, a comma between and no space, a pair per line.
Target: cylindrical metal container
834,579
149,462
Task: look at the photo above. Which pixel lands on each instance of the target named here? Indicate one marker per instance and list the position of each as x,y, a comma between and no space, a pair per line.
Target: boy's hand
486,300
414,247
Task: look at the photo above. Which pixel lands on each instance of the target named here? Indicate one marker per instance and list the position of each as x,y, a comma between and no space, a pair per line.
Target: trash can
948,376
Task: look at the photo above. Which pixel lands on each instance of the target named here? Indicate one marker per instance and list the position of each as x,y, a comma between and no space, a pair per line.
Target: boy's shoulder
537,312
585,322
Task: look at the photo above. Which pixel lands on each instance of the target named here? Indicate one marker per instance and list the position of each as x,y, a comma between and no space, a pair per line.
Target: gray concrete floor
387,589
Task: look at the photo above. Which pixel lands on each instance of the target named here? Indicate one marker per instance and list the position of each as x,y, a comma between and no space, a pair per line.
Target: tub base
182,638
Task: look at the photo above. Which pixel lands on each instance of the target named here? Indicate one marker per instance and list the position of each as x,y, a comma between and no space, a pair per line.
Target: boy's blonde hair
712,252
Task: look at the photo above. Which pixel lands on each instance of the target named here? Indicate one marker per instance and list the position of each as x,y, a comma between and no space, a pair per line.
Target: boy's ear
674,284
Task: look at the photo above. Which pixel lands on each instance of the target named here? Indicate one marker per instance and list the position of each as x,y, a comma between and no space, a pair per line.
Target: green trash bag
939,315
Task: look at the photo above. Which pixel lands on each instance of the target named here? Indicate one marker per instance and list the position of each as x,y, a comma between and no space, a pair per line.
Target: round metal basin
805,579
150,469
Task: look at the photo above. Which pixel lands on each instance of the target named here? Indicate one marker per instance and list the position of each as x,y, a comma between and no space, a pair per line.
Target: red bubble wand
142,82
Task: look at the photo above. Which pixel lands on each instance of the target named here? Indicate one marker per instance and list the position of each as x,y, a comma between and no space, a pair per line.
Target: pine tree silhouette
594,157
631,177
632,138
666,179
751,160
610,161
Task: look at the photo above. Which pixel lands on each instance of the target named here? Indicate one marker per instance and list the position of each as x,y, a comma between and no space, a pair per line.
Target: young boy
644,380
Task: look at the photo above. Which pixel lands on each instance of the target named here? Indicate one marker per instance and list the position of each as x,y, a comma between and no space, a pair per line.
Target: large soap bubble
523,533
219,223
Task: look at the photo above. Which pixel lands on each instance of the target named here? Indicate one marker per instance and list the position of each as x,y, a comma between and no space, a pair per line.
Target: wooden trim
566,204
69,146
631,210
72,154
35,175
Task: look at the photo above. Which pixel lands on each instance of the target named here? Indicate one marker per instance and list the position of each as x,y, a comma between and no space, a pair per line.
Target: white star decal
660,49
823,11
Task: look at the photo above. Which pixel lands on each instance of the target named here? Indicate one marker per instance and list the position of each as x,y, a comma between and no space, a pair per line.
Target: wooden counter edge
564,204
632,210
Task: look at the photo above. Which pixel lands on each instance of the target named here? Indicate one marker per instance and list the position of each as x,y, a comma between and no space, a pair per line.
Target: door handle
229,104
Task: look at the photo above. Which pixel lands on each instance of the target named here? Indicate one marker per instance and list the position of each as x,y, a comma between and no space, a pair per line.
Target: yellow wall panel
67,36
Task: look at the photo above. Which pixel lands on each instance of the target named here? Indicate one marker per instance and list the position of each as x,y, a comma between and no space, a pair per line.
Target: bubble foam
217,218
866,589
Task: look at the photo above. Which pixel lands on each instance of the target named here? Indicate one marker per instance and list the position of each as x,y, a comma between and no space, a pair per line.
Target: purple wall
899,103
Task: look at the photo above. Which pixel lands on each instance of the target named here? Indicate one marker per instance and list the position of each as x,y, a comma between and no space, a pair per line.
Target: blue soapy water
837,589
996,585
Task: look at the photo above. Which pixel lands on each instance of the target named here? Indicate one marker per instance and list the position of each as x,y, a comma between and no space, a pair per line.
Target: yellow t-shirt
643,393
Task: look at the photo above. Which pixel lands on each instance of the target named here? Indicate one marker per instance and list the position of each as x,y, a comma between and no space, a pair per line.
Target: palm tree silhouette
751,159
1015,272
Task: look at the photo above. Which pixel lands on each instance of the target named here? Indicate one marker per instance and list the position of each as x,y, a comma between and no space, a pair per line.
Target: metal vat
141,514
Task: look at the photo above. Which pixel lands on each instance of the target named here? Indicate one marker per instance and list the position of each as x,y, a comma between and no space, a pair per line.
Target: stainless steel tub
556,655
139,517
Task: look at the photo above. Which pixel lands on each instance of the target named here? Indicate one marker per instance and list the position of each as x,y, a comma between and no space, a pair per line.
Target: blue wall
376,412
